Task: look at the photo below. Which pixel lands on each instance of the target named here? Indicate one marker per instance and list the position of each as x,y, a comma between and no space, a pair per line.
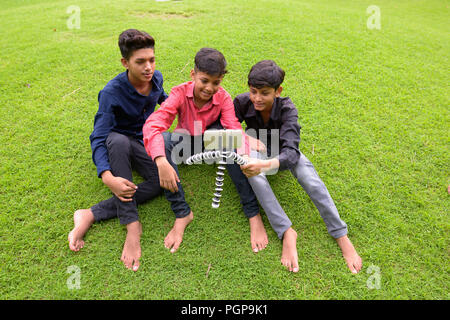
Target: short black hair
266,73
131,40
210,61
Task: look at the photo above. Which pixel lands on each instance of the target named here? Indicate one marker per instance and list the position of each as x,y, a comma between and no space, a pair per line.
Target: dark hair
210,61
131,40
266,73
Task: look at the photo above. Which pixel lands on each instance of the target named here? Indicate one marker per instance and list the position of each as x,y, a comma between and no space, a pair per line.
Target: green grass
373,104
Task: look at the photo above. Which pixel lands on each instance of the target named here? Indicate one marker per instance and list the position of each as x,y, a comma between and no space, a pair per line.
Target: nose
209,87
148,66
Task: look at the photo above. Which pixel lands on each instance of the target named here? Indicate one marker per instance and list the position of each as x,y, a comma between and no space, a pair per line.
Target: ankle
290,233
255,220
134,228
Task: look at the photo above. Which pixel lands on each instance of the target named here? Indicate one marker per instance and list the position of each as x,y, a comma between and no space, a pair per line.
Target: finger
130,184
125,199
174,184
127,193
130,194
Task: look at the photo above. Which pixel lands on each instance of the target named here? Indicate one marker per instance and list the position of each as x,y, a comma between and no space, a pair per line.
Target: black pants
125,154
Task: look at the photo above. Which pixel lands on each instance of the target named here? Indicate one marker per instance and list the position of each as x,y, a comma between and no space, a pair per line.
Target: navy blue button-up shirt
124,110
284,118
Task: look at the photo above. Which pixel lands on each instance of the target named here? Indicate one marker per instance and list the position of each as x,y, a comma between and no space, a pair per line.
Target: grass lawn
374,109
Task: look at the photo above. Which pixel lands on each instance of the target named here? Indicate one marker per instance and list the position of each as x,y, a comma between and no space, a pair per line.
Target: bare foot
175,236
258,235
83,219
132,247
354,261
289,257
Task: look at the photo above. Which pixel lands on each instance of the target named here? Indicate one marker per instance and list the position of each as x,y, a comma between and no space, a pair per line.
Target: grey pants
308,178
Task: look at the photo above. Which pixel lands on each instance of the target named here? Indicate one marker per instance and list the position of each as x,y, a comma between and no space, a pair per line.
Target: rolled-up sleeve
158,122
289,139
103,123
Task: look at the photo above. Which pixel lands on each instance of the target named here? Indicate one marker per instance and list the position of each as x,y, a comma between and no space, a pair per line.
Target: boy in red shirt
200,104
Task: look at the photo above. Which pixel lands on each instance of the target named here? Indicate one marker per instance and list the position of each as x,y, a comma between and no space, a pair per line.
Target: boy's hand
121,187
253,168
256,166
168,177
256,144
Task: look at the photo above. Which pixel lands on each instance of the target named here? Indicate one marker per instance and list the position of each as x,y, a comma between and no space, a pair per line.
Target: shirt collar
131,89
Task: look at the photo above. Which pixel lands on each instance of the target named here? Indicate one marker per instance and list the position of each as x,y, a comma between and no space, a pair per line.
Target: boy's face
141,65
205,85
263,98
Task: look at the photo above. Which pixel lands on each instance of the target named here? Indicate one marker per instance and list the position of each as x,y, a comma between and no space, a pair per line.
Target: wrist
160,160
107,177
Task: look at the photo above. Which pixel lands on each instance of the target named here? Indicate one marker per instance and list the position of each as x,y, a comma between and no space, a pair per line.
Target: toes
291,265
258,245
295,266
128,262
352,268
359,265
74,246
167,243
176,245
136,265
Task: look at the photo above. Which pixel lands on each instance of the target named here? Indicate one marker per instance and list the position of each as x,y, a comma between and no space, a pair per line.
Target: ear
278,92
192,74
124,62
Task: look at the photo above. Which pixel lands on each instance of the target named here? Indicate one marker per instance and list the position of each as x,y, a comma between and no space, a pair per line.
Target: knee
117,141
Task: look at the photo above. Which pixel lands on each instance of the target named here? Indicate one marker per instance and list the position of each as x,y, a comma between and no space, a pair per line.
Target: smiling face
263,98
140,66
205,86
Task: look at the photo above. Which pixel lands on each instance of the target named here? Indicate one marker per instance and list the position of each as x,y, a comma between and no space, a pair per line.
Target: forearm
271,164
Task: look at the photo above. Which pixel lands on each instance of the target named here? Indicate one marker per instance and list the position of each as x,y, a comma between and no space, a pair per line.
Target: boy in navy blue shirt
264,111
117,147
